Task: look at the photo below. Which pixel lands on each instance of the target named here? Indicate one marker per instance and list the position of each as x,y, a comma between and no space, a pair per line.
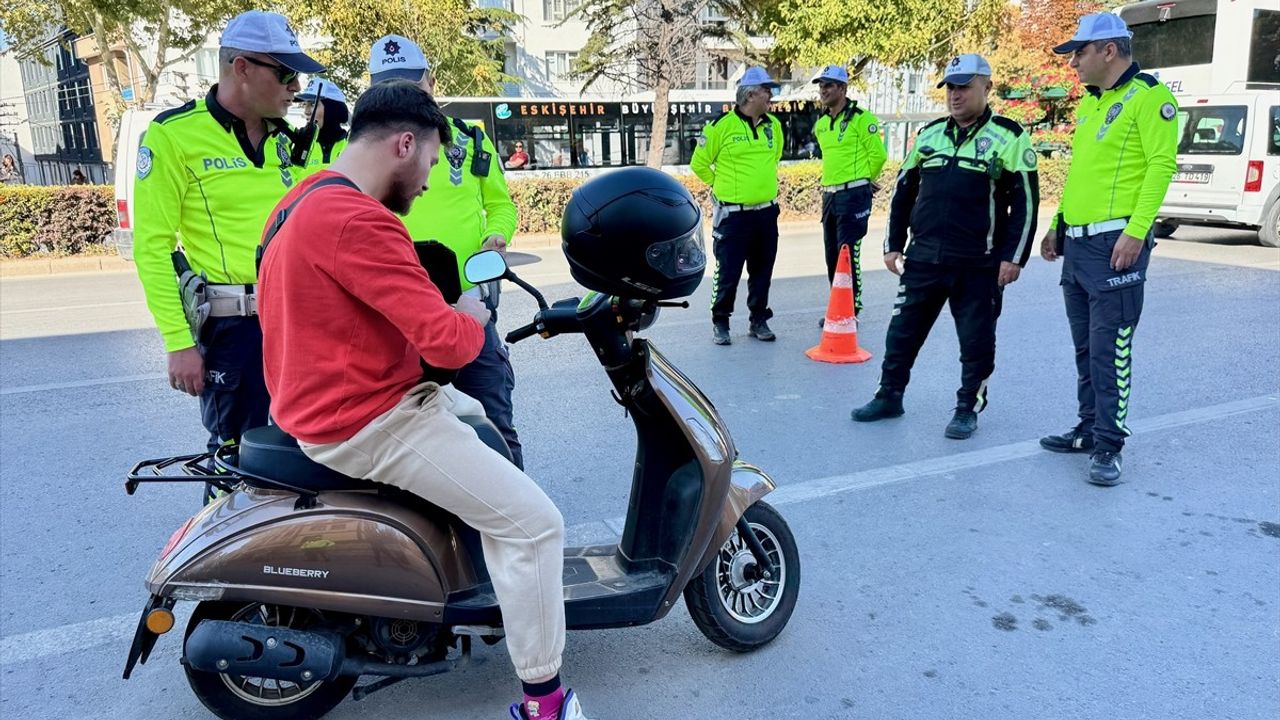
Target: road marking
80,636
73,307
82,383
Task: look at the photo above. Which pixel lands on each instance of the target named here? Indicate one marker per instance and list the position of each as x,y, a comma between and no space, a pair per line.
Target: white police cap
758,76
833,73
328,90
269,33
963,68
1099,26
395,57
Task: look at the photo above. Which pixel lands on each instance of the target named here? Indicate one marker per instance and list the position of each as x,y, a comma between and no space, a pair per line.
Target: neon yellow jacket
1123,154
460,209
851,145
198,181
738,161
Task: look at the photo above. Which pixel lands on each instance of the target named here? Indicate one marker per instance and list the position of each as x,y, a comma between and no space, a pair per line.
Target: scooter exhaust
299,656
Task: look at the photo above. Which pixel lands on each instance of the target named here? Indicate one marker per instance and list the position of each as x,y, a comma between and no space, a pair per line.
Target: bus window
597,142
1273,141
1174,43
1264,48
1213,130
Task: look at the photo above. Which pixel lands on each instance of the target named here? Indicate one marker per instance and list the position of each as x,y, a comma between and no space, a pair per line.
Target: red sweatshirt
346,311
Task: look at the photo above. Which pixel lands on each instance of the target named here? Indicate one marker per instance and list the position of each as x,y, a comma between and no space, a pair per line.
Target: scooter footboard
747,484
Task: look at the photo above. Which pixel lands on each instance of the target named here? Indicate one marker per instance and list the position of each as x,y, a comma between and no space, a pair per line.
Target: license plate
1193,177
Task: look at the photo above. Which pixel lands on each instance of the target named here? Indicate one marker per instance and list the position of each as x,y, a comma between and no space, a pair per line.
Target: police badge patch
873,129
1113,112
984,144
144,162
456,155
282,152
1167,111
1029,157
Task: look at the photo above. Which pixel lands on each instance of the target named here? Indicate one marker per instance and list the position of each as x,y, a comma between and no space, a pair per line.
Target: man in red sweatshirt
347,311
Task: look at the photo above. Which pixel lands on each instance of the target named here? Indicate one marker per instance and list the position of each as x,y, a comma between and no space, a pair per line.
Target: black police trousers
235,391
844,222
490,379
1103,307
750,237
975,296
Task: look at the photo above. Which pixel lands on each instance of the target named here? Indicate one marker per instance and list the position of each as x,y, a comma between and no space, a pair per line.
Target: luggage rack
214,468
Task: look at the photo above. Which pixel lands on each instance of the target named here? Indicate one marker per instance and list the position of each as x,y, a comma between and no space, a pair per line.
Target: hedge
75,219
55,220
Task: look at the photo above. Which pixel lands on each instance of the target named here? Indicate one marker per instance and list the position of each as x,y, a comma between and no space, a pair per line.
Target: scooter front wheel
731,602
234,697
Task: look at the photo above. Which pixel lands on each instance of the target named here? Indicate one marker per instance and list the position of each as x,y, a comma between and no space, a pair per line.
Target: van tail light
177,537
122,214
1253,177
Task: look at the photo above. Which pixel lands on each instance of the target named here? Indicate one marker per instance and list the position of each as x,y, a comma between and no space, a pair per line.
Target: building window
913,83
207,65
559,63
557,10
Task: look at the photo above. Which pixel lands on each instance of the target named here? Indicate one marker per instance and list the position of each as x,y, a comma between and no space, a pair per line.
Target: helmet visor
679,258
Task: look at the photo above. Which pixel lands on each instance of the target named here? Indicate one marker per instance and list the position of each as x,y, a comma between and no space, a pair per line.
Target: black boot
882,406
962,424
1105,468
720,332
760,331
1075,440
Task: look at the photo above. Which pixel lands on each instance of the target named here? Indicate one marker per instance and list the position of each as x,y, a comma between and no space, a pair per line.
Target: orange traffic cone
840,329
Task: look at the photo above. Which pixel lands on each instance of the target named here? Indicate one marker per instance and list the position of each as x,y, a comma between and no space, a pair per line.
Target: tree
856,32
464,43
1034,86
657,42
156,33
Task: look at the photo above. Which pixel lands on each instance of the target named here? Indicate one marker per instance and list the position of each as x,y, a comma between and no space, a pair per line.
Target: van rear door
1212,162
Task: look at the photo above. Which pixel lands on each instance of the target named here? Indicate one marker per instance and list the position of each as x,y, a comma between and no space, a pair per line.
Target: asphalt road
942,579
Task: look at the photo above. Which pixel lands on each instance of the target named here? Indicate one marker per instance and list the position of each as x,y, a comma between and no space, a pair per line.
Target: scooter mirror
485,266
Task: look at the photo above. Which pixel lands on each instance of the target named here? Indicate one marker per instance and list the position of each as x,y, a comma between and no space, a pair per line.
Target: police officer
968,192
209,173
738,157
1123,156
468,208
852,156
323,100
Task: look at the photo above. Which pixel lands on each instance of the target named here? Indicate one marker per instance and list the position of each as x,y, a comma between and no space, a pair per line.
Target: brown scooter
306,579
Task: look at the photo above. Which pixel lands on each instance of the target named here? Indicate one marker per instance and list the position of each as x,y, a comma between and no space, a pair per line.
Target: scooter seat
272,453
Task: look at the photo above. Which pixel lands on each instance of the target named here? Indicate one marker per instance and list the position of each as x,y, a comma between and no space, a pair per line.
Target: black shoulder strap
283,215
480,159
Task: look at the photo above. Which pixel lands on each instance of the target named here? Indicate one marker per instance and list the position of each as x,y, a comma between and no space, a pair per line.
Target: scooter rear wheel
233,697
730,602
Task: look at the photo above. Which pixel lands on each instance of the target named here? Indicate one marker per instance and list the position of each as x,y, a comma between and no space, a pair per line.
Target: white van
133,125
1228,165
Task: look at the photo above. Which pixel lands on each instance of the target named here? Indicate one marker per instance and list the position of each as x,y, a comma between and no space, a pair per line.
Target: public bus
1221,58
583,134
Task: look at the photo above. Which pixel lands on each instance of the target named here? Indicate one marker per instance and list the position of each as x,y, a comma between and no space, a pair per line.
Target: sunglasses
283,74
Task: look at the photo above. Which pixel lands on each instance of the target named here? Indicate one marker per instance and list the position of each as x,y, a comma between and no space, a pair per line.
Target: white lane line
21,389
73,307
119,629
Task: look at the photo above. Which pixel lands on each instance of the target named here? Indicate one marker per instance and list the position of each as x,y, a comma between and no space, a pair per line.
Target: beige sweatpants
420,446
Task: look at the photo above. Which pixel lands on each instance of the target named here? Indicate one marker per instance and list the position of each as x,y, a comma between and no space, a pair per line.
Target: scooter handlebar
555,320
522,333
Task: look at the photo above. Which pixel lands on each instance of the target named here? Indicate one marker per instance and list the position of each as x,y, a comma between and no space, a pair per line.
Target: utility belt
732,208
1076,232
845,186
232,300
202,300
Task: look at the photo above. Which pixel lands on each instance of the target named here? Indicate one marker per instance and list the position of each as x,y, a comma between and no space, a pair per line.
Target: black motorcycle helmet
635,233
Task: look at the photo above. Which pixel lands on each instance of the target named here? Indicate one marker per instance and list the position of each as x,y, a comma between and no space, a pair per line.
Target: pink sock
544,707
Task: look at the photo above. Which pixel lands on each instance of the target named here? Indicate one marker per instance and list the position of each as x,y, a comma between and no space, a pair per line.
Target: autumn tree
463,42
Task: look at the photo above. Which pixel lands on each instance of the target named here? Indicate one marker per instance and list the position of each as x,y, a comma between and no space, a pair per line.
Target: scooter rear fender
353,552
